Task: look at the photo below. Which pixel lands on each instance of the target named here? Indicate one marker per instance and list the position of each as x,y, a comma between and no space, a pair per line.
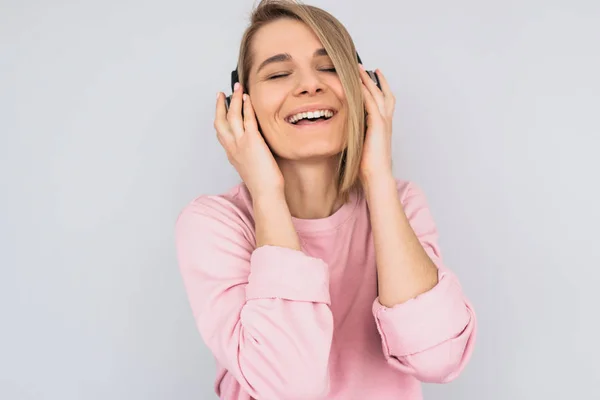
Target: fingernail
245,97
218,94
236,86
362,67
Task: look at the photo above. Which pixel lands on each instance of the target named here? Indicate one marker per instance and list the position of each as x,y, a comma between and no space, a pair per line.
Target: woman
320,276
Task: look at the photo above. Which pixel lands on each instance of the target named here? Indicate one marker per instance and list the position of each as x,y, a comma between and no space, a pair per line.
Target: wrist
376,183
267,195
273,221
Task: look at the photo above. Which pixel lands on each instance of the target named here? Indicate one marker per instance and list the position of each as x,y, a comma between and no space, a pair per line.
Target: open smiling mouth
311,119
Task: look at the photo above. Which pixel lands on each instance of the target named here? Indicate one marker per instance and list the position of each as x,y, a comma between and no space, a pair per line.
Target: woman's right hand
246,149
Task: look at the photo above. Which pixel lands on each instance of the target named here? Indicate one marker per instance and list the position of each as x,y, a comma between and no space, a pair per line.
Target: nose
309,84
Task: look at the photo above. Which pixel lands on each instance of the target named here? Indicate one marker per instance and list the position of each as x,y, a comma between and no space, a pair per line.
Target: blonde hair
339,46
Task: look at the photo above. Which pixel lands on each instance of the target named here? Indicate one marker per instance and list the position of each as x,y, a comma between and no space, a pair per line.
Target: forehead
284,36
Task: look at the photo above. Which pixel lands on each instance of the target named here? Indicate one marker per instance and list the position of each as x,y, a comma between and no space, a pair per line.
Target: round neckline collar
330,222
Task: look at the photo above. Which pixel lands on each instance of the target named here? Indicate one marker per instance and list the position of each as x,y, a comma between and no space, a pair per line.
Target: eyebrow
287,57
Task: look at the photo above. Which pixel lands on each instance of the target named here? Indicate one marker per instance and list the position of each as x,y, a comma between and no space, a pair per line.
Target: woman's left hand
376,158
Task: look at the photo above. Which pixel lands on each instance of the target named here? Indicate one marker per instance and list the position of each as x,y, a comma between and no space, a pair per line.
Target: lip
311,107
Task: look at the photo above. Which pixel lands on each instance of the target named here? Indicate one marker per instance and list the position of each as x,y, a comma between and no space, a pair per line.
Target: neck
310,187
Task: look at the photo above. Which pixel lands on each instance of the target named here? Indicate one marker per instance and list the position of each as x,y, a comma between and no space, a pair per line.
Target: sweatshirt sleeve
264,313
432,335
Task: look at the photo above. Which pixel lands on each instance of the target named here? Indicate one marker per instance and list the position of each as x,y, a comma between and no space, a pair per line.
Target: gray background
106,112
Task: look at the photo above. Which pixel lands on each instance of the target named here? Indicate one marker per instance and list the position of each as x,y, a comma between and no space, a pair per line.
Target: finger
390,99
373,89
234,115
221,124
220,111
250,124
370,105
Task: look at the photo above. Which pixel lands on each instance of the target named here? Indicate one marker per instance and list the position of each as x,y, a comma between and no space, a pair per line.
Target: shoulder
418,213
410,193
231,210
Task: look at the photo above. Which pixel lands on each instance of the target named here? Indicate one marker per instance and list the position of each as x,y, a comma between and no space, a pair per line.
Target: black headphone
235,78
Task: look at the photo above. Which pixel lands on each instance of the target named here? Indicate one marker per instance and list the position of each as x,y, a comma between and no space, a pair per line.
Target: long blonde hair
339,46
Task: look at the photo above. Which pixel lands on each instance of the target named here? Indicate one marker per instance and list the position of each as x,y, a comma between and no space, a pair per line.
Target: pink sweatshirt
285,324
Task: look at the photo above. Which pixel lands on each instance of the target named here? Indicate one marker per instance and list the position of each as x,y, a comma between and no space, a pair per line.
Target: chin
306,144
311,151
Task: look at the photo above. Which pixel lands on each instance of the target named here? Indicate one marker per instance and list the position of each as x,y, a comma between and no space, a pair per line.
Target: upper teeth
310,114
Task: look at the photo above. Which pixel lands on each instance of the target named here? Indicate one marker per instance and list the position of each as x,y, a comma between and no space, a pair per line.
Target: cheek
337,88
261,112
339,91
264,110
267,100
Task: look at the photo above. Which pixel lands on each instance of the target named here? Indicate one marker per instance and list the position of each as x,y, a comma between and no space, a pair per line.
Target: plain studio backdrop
106,122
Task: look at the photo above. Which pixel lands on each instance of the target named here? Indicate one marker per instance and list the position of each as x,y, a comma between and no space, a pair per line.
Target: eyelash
284,75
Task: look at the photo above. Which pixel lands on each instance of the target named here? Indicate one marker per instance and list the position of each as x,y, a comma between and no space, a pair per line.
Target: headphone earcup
375,79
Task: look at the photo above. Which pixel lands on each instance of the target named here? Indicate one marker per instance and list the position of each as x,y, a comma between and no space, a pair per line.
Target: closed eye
284,75
277,76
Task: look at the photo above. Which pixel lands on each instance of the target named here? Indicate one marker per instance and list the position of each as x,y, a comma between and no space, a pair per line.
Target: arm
426,323
263,312
273,221
403,267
